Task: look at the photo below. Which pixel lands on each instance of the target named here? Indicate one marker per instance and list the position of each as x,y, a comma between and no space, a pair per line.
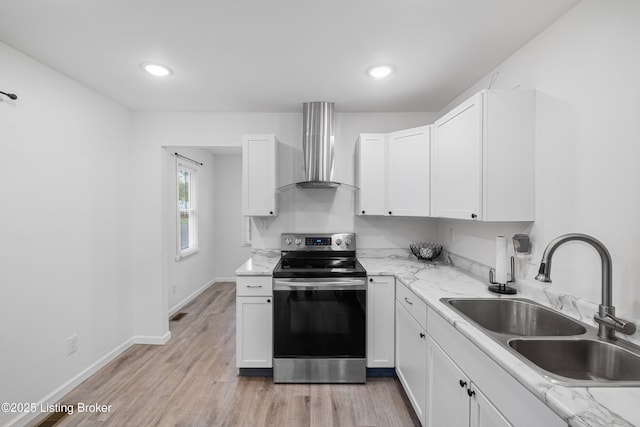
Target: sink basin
514,316
581,361
558,347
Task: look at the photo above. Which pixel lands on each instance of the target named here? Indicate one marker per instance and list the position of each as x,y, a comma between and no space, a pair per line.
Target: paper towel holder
502,288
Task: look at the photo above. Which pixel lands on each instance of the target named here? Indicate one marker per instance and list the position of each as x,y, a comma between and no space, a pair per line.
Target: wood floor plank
321,412
192,381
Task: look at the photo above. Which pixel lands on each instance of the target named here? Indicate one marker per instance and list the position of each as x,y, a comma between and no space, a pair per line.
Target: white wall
585,68
187,276
230,252
64,219
153,130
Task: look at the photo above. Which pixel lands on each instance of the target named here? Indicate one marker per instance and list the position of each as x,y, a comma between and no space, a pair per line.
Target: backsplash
332,211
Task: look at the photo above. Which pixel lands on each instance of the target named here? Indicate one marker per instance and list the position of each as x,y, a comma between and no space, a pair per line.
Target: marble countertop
578,406
261,263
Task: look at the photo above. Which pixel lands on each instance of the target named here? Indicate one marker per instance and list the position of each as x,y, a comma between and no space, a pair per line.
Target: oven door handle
319,284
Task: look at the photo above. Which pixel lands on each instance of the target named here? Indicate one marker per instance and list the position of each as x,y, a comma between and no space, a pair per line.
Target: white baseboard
225,279
153,340
191,297
65,388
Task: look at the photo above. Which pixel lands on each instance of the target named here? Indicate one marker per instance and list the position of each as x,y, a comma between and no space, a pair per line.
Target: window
187,219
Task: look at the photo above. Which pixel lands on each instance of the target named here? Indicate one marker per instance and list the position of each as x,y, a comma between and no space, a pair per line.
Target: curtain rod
186,158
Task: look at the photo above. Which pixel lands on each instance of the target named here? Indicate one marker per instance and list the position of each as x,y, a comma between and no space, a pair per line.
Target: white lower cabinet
411,358
483,413
466,387
380,322
254,325
452,399
450,381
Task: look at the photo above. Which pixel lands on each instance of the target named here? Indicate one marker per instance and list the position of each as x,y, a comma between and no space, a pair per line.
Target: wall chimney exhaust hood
317,145
317,148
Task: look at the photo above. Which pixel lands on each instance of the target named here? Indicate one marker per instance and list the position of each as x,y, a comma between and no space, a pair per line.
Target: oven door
319,330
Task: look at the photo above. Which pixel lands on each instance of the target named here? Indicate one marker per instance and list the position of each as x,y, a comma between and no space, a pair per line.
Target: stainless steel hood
317,145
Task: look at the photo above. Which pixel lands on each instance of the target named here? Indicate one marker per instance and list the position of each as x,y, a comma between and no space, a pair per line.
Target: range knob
338,242
298,241
288,240
348,241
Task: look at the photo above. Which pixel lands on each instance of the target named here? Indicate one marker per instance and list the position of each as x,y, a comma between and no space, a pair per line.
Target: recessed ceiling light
156,69
380,71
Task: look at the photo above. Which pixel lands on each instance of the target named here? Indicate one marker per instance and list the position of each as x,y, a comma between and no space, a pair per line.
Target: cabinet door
483,413
411,360
380,322
447,397
254,331
408,172
457,162
259,165
371,175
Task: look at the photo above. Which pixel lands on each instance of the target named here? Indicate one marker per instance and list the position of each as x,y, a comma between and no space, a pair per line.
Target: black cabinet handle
407,300
268,300
270,212
422,335
474,216
363,212
389,212
463,383
471,392
371,280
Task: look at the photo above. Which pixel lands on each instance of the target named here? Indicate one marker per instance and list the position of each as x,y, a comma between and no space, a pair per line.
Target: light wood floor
193,381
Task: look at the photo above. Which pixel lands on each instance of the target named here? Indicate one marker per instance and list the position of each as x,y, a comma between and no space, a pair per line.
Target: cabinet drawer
412,303
254,286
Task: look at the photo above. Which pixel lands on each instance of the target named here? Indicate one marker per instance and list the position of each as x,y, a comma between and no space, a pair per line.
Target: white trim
226,279
75,381
191,297
187,252
152,340
65,388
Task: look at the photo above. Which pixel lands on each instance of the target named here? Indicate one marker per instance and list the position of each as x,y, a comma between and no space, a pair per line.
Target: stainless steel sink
582,361
515,316
560,348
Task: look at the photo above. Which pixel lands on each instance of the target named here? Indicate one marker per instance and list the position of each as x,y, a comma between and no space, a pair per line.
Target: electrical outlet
72,344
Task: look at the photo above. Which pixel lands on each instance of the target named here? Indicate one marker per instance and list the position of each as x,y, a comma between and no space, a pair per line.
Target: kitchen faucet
607,322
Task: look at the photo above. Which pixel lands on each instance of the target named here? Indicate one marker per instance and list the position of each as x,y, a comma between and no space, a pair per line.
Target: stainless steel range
319,310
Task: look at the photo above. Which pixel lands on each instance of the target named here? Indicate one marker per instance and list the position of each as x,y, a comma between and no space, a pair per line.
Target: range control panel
318,242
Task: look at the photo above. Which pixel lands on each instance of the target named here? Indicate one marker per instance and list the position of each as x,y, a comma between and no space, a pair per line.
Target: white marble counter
578,406
261,263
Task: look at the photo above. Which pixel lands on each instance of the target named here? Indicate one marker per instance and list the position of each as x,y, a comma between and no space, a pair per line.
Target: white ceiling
272,55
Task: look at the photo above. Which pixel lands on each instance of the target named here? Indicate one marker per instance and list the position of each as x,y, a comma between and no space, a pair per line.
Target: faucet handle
620,325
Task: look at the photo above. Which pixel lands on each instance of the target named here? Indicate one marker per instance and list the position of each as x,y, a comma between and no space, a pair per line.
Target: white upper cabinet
408,172
259,169
393,171
371,174
483,158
